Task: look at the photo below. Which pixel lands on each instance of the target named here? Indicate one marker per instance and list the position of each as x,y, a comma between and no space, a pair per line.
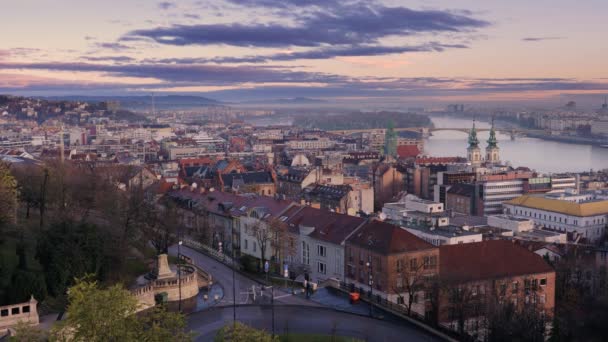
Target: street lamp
179,273
370,268
233,277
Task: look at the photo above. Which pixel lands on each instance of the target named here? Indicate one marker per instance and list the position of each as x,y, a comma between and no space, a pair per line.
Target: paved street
292,313
222,274
303,319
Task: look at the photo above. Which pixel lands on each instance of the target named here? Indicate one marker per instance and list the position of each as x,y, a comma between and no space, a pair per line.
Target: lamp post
272,307
233,277
370,267
179,273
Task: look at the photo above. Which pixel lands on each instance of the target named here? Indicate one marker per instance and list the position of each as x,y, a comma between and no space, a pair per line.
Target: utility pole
272,308
179,270
233,277
370,266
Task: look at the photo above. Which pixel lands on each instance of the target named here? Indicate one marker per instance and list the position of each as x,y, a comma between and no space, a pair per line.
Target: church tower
492,150
473,151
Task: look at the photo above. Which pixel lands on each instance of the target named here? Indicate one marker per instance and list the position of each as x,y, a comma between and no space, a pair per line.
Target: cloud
113,46
119,59
356,24
310,84
282,3
165,5
321,53
540,39
196,74
191,16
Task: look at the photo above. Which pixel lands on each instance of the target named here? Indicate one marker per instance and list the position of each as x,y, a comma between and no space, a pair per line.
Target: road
305,319
292,314
222,274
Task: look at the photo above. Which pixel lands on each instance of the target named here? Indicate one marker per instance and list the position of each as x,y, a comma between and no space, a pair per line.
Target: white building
310,144
584,220
525,229
449,235
495,193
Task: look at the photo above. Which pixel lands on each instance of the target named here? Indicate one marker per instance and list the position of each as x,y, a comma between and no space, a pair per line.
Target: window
543,282
4,313
399,265
246,244
322,268
25,309
413,264
255,247
321,251
515,287
305,253
15,311
430,262
503,289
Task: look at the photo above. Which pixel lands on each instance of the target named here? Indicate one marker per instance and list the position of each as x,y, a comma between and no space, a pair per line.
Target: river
541,155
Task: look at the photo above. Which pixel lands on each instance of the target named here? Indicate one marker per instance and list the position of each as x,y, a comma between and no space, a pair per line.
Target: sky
376,50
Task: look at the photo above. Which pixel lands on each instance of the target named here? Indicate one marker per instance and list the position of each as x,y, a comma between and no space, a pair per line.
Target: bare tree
411,280
267,234
160,224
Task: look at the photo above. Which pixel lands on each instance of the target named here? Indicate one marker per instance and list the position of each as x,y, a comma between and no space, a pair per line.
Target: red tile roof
492,259
407,151
439,160
385,238
329,226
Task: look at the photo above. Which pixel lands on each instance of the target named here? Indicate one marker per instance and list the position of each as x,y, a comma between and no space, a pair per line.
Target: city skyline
412,51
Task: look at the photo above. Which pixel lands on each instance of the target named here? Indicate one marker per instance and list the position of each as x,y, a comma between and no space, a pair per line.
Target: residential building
321,238
382,258
477,276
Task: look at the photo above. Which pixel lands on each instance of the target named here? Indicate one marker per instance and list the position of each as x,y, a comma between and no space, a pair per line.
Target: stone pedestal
162,268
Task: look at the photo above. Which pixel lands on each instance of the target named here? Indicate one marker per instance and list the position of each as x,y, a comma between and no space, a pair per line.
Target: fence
11,315
223,258
398,309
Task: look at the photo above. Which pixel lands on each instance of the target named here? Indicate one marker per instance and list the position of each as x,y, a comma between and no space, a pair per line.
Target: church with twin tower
474,151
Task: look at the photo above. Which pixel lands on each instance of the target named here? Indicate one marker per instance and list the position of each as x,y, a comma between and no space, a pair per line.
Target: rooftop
385,238
491,259
560,206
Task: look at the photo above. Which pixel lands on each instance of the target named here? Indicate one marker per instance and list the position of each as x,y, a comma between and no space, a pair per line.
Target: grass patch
315,338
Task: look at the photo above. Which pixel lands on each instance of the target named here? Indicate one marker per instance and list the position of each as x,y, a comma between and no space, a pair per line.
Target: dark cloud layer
321,53
258,77
356,24
199,74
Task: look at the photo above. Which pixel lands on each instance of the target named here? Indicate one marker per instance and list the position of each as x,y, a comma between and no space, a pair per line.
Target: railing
11,315
395,308
223,258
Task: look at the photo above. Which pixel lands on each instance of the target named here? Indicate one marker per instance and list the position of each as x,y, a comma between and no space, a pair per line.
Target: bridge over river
425,131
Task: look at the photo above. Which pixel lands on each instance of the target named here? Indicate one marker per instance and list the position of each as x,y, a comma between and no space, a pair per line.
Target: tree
160,325
507,322
159,225
267,234
69,250
95,314
411,281
27,333
8,195
239,332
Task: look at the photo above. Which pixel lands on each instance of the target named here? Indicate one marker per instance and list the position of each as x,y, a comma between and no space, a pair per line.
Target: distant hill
162,102
294,100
